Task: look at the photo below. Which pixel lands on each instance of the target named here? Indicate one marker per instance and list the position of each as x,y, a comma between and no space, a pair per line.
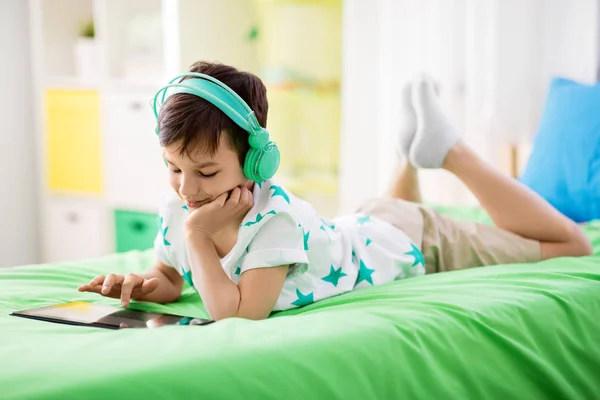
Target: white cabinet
73,231
136,175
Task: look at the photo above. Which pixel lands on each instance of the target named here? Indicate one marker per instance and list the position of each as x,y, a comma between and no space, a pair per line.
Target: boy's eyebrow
206,164
202,165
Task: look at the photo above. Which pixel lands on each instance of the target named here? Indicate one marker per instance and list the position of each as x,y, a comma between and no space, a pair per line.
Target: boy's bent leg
449,244
405,183
516,208
511,205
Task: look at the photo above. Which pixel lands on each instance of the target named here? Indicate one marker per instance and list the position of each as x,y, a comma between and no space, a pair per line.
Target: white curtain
493,60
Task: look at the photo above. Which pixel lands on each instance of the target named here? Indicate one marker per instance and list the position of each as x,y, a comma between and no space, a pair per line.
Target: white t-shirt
327,257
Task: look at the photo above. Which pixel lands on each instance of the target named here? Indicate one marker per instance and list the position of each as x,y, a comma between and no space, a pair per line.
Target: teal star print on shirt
238,270
361,220
364,274
259,218
306,236
259,184
185,207
303,300
164,232
416,253
187,276
334,276
332,226
368,242
278,191
185,321
325,230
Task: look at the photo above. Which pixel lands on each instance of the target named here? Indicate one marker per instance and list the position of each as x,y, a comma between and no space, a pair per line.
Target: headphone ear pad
251,159
261,164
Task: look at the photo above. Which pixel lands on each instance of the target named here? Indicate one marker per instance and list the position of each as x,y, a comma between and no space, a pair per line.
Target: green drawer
135,230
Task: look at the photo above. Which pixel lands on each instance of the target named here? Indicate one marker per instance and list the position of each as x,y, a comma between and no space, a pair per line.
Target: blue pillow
564,166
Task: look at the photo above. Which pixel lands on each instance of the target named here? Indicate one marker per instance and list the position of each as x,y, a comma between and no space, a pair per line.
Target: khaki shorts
449,244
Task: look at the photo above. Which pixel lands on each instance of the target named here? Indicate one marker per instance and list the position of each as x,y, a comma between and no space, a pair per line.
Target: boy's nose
188,189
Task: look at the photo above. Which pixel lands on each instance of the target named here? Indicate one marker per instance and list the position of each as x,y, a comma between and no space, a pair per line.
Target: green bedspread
515,331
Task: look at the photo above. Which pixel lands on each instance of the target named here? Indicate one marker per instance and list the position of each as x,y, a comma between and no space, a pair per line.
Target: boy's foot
434,136
408,121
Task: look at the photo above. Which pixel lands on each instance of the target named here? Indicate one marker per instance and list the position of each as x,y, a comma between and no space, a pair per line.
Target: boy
250,248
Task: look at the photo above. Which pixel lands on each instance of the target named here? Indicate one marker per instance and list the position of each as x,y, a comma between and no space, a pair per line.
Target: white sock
408,122
435,136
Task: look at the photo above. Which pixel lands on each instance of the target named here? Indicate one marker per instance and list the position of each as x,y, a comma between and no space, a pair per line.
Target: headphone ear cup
261,164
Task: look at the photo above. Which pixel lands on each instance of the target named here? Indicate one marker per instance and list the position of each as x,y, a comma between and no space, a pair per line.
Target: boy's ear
249,185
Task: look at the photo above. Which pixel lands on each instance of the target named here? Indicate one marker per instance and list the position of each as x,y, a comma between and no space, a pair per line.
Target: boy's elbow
239,312
253,316
175,297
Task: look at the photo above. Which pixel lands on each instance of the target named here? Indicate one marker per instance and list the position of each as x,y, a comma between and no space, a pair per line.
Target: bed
512,331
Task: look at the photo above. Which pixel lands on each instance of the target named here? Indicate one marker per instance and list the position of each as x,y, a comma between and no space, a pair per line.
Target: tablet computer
105,316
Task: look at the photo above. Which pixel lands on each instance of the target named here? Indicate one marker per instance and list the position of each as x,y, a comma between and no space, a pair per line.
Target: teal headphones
262,159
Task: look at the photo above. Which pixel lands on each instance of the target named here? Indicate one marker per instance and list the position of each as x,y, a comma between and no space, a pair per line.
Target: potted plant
85,52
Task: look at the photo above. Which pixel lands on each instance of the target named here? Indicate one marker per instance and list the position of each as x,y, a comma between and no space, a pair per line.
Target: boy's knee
583,247
578,245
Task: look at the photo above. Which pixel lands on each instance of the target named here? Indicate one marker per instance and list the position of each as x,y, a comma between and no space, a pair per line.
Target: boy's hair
192,121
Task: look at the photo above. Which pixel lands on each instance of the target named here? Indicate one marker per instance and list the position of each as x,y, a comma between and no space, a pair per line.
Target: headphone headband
215,92
262,159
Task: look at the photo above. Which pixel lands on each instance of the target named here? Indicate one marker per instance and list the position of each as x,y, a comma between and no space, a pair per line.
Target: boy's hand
125,287
224,210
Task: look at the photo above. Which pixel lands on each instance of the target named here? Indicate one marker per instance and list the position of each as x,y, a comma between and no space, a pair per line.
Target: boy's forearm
220,295
167,291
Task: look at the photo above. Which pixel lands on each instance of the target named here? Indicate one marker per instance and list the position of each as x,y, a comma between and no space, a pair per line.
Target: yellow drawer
73,141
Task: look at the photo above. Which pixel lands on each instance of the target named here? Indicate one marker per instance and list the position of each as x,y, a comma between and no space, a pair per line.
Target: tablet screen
105,316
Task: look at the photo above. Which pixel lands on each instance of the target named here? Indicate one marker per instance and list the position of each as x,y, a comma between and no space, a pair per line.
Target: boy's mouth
195,204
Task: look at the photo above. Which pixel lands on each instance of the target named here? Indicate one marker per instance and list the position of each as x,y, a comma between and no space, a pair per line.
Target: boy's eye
207,175
175,171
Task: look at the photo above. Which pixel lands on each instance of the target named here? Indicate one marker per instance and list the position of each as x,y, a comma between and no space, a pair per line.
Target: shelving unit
300,62
103,175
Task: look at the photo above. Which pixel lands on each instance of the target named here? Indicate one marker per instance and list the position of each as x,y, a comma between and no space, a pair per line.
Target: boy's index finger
97,280
91,289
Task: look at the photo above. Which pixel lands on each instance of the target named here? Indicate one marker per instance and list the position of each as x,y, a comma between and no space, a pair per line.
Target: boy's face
199,178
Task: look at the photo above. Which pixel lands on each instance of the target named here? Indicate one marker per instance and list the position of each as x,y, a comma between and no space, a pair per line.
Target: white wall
598,40
361,103
18,176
